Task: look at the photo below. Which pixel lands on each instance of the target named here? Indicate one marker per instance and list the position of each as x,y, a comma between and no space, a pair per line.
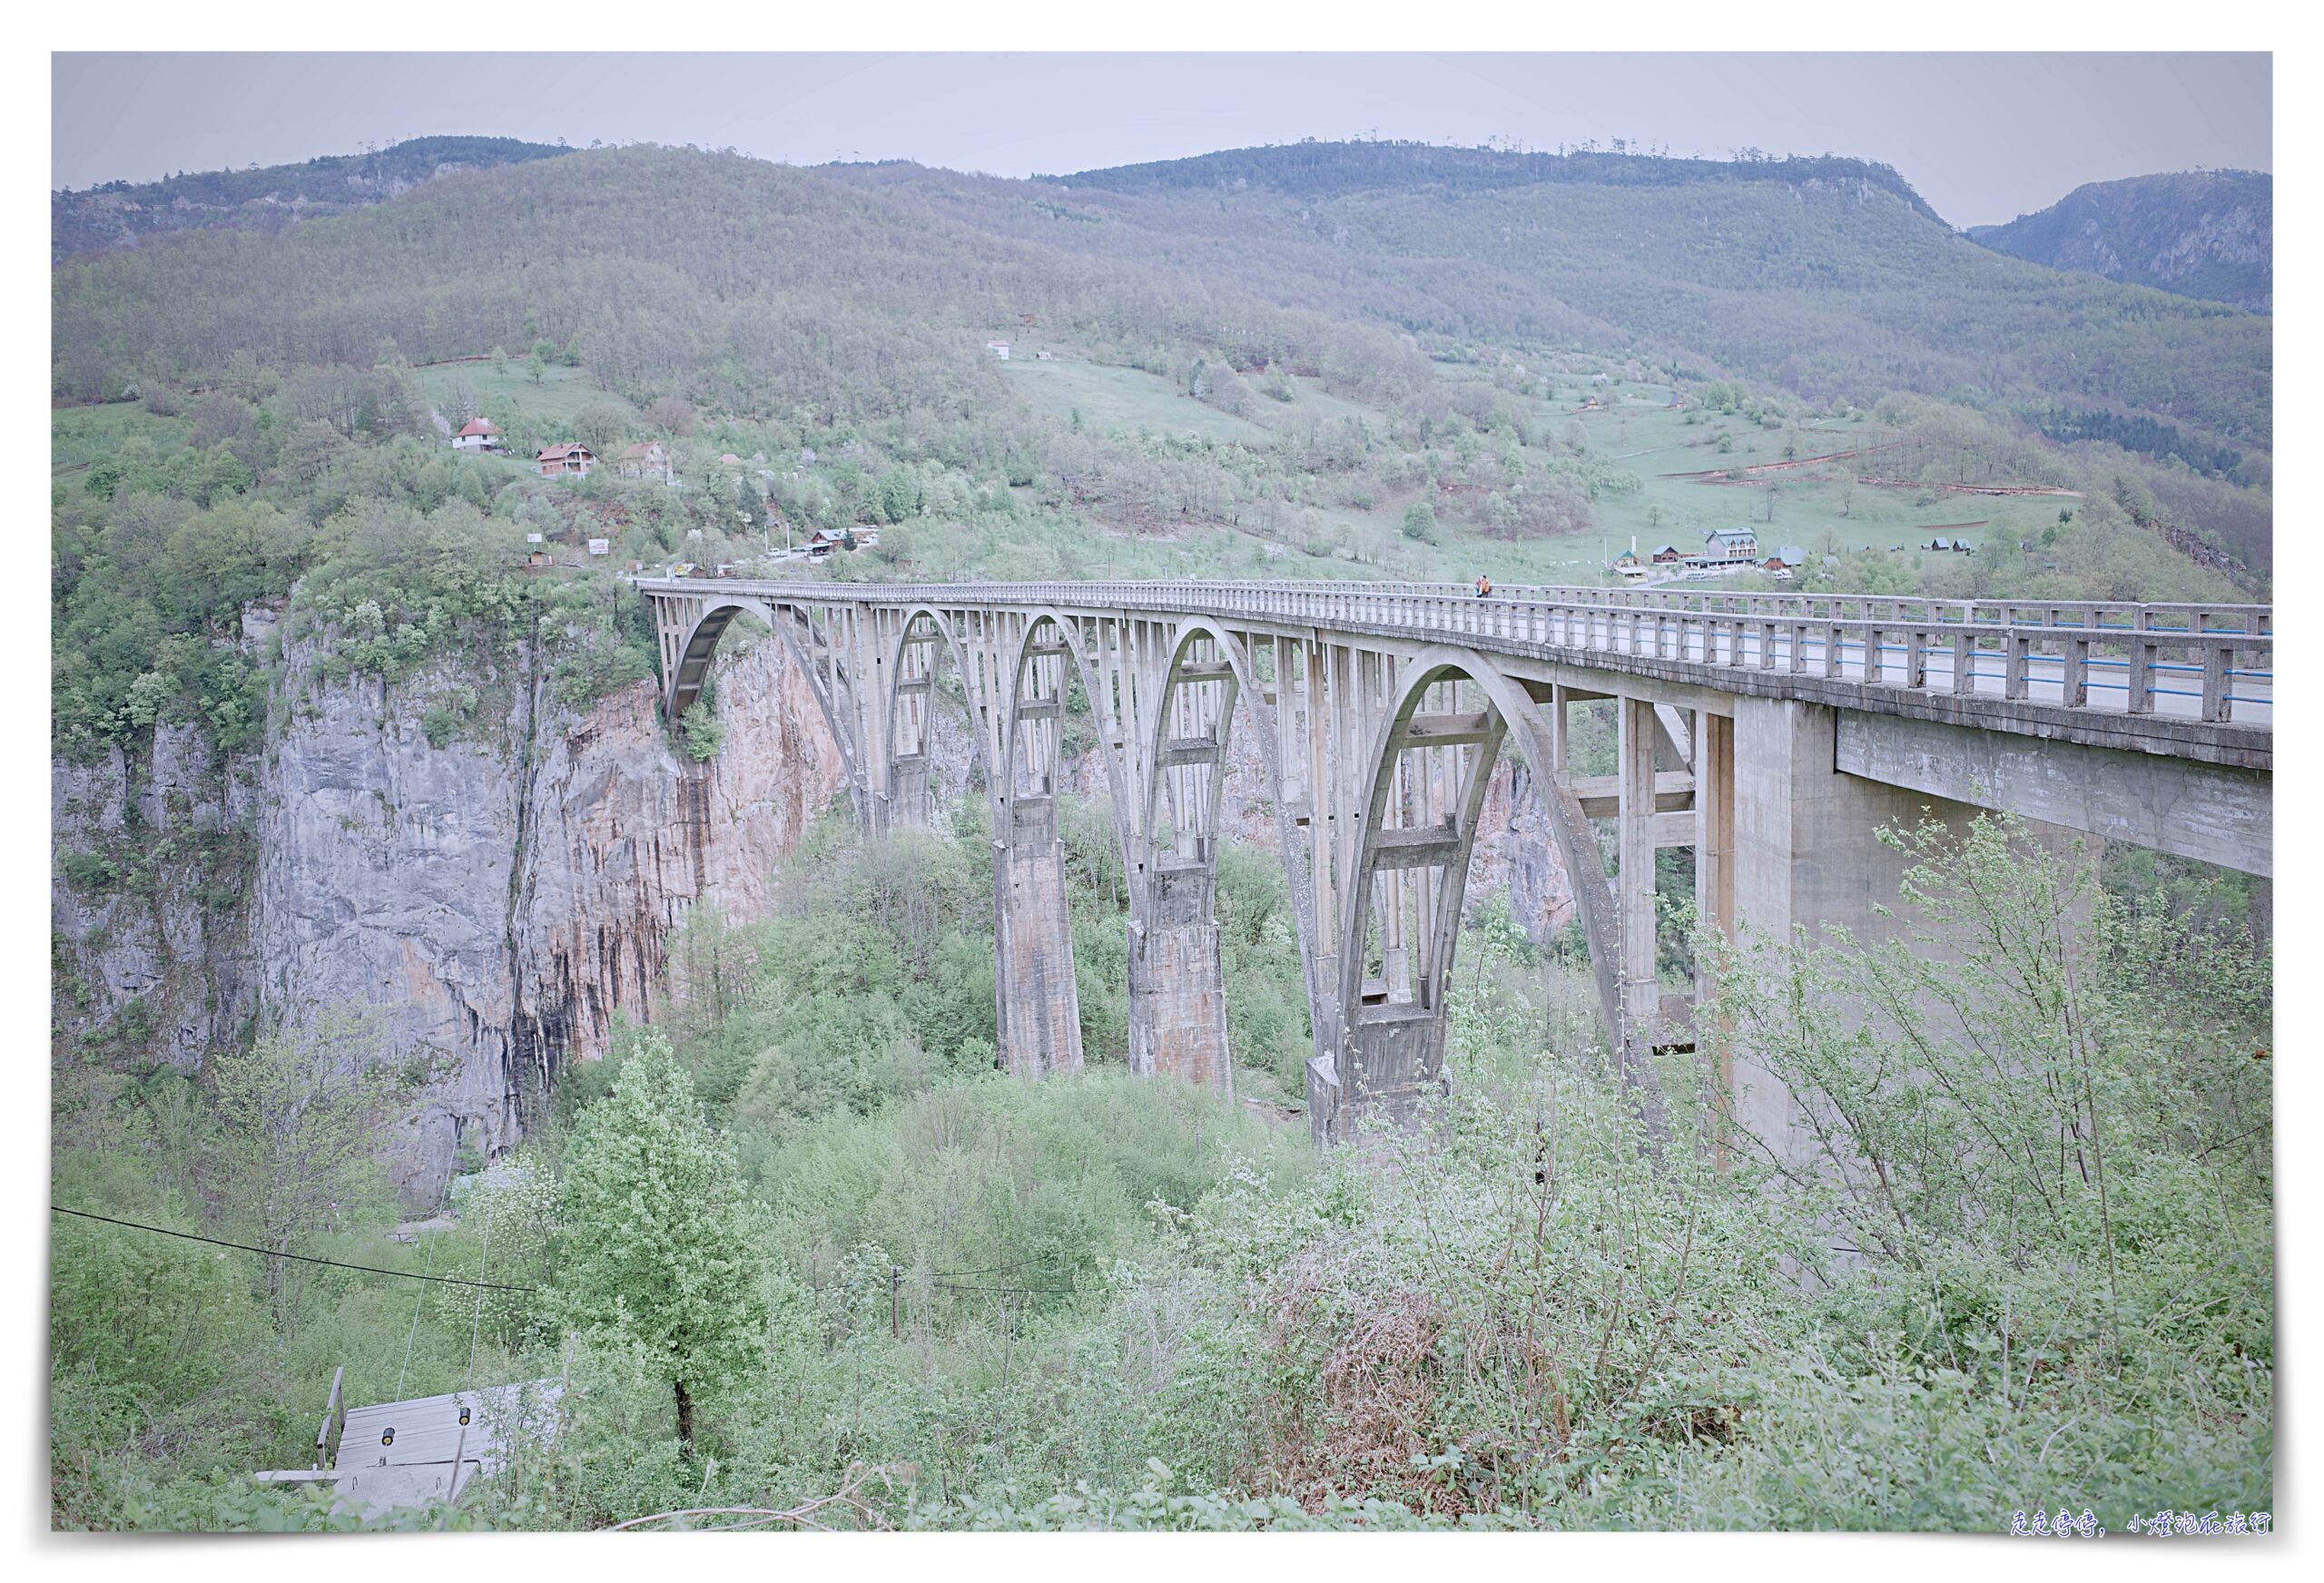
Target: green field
77,435
1124,400
503,398
1821,515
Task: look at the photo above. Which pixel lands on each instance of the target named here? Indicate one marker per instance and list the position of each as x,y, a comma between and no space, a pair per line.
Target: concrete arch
1529,735
1248,701
1177,990
1168,752
1071,637
701,646
1402,1051
1410,878
897,771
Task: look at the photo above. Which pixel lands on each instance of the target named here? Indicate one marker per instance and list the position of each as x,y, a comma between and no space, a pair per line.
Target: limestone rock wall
153,962
496,902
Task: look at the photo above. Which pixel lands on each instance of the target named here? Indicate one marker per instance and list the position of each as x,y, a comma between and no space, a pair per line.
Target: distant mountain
2197,234
122,214
1334,169
1828,276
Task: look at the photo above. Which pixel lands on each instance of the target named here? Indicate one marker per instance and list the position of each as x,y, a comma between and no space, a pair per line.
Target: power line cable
301,1258
995,1269
1059,1291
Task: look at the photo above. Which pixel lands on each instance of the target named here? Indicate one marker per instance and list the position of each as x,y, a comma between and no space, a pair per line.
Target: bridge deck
2192,681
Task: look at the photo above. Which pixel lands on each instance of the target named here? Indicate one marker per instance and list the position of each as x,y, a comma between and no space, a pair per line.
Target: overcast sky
1984,137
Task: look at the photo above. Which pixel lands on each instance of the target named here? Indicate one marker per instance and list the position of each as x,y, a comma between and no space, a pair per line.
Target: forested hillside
865,294
2194,233
1311,169
267,198
1828,279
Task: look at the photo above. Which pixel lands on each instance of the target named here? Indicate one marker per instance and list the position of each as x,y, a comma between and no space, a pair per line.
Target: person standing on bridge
1485,586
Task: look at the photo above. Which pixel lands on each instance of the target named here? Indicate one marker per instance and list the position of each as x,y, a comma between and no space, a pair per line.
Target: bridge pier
908,804
1806,855
1039,1014
1177,983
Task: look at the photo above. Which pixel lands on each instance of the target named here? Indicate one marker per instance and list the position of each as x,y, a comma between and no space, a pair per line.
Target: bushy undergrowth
2022,1258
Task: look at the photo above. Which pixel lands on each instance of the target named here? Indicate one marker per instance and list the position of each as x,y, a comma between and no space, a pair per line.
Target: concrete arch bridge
1773,734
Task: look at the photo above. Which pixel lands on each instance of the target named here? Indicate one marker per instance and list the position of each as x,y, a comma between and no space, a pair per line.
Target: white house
476,435
1731,544
999,348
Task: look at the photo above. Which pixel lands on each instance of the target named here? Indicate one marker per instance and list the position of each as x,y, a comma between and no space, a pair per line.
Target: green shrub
92,872
701,733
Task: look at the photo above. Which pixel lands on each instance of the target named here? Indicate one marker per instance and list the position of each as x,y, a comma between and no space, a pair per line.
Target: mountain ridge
2209,235
1317,169
267,198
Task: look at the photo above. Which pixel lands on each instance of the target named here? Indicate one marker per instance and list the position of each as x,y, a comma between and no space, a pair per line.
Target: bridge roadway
1774,733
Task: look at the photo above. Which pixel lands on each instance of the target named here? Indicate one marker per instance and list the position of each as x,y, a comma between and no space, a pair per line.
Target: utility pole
895,1301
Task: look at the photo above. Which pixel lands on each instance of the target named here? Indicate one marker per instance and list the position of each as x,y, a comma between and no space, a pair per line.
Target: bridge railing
2207,663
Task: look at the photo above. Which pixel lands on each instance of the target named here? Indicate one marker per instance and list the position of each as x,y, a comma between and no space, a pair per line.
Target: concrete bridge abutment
1806,856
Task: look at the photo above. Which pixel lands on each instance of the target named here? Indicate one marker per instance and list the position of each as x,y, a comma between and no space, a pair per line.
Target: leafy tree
748,506
602,427
655,1244
900,496
1420,522
536,365
297,1114
673,415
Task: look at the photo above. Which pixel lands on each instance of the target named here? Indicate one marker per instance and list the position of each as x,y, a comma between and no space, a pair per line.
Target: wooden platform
431,1453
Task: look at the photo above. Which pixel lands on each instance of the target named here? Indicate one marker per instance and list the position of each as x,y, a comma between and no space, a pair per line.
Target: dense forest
794,1241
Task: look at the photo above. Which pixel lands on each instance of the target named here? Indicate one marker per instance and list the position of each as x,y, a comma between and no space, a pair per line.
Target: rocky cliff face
497,901
148,929
2197,234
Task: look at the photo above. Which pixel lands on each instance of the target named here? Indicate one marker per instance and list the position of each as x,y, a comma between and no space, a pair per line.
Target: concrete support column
907,806
1808,856
1177,986
1714,767
1040,1013
1641,989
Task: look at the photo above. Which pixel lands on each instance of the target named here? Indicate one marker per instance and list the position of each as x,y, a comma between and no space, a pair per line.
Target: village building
1731,544
569,460
1667,555
1781,564
650,459
477,434
999,348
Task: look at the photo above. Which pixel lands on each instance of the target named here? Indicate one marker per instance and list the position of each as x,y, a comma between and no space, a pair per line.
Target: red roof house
570,461
476,435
